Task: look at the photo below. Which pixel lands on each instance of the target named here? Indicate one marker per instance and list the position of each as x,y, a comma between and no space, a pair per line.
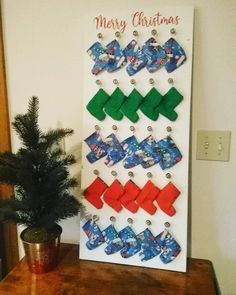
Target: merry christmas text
138,19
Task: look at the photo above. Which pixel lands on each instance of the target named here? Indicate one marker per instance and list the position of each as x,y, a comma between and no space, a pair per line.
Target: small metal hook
151,81
135,33
114,127
132,128
98,82
96,172
149,175
168,129
116,82
130,221
149,128
113,219
166,231
100,36
113,173
131,174
96,127
95,218
173,31
154,32
117,34
148,222
167,225
133,82
170,81
168,175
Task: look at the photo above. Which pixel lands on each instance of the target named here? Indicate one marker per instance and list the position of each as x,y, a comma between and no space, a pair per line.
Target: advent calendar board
135,138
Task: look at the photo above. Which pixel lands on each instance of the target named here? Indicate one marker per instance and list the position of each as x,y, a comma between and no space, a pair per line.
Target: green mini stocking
96,104
150,103
112,106
170,100
130,106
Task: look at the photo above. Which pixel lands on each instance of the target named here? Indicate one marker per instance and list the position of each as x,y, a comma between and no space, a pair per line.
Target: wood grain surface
74,276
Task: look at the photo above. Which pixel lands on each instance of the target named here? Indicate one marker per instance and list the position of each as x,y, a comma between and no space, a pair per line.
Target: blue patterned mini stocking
170,153
149,245
99,55
175,54
133,152
136,57
152,154
115,152
169,246
94,234
155,53
116,56
97,146
131,243
113,240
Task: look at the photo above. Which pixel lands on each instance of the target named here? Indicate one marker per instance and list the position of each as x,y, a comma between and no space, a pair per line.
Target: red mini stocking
130,195
146,197
94,192
113,194
167,197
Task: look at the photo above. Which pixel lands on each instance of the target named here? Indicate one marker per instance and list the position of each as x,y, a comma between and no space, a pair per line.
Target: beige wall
42,43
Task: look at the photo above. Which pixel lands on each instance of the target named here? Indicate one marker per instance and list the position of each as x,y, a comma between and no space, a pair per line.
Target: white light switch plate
213,145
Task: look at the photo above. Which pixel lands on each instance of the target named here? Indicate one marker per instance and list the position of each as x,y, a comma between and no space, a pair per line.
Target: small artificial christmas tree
40,176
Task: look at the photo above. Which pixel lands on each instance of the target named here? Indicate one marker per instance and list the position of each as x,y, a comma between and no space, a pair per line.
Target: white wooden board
129,20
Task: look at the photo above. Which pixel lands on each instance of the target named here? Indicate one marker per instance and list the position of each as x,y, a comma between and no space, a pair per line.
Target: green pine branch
40,173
